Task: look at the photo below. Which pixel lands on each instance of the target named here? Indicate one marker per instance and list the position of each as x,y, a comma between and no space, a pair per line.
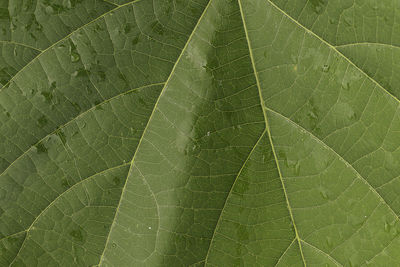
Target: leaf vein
332,47
65,38
75,118
382,200
147,127
51,204
322,252
269,134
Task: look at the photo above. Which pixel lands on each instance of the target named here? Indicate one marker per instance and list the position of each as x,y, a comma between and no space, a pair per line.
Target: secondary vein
358,175
270,136
230,191
75,118
146,128
332,47
63,39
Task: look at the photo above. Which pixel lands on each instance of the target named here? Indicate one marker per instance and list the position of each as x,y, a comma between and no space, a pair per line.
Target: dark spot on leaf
102,75
76,106
89,90
48,96
77,235
64,183
135,40
41,148
318,5
62,136
116,180
242,233
75,57
82,72
127,28
325,68
98,105
33,36
158,28
123,77
42,121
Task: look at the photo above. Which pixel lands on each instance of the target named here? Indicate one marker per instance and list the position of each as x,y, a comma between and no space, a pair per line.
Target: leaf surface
199,133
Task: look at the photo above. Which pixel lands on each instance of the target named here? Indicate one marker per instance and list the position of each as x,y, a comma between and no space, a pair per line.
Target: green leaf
199,133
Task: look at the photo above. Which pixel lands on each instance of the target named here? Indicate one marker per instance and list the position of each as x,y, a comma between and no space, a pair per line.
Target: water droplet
386,19
68,5
346,86
347,21
49,10
65,184
352,116
297,168
75,57
89,90
324,194
325,68
149,227
329,241
81,124
387,227
312,115
25,7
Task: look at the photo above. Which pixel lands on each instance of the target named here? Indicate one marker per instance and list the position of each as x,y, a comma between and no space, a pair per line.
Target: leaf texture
199,133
